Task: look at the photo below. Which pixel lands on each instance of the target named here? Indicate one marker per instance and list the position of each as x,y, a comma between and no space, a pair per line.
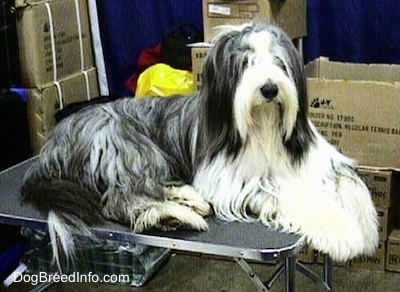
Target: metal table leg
327,271
275,276
252,275
312,276
290,271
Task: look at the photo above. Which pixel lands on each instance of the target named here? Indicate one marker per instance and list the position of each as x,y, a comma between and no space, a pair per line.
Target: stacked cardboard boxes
384,187
355,106
56,59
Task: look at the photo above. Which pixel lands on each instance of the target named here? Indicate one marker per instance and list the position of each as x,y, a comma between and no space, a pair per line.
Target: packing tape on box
52,40
85,72
78,17
86,75
60,95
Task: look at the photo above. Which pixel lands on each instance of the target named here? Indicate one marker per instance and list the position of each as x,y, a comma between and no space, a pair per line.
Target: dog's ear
298,74
221,73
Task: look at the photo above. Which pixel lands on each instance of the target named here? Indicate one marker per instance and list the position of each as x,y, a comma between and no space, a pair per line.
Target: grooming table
240,241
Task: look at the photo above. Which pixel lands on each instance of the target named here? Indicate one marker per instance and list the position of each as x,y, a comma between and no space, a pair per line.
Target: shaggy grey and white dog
242,148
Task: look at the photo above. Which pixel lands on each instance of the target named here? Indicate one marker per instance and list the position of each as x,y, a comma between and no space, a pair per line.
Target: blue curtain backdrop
129,26
365,31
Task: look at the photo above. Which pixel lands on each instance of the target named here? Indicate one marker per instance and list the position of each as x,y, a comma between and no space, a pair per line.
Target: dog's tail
70,208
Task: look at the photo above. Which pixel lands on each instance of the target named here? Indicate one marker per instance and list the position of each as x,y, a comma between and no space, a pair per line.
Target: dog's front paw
187,196
169,216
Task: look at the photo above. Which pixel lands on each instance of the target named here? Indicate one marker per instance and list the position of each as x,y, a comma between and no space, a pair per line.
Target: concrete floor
185,272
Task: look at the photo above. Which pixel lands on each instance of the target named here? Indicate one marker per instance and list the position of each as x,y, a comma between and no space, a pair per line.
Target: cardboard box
198,55
356,107
376,262
386,220
53,41
289,15
383,185
43,103
393,251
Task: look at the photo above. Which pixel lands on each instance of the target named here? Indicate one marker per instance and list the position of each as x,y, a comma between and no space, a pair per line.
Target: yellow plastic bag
163,80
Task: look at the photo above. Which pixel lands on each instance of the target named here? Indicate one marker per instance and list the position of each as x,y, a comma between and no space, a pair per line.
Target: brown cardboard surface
386,221
45,101
393,252
198,55
289,15
383,185
35,41
375,262
359,117
322,67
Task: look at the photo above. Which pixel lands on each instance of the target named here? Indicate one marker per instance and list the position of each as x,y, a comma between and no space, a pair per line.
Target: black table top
232,239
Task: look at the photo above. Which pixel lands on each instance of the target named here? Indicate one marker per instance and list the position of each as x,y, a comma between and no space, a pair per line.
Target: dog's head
253,75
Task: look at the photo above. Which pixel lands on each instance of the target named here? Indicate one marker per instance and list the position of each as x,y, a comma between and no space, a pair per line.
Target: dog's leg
142,212
336,217
187,196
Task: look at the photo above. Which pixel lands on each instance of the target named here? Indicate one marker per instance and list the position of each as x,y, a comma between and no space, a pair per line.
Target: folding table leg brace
289,267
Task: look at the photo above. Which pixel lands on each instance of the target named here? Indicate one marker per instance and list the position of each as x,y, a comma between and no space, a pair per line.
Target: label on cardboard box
219,9
383,185
54,40
359,117
198,56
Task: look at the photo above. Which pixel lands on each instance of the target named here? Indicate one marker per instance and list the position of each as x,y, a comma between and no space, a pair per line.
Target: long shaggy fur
243,147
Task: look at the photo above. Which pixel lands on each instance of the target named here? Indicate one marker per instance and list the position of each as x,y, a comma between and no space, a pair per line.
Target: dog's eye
248,61
278,61
245,62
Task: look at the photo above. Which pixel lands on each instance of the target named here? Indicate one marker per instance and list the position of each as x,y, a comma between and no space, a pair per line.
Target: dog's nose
269,90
